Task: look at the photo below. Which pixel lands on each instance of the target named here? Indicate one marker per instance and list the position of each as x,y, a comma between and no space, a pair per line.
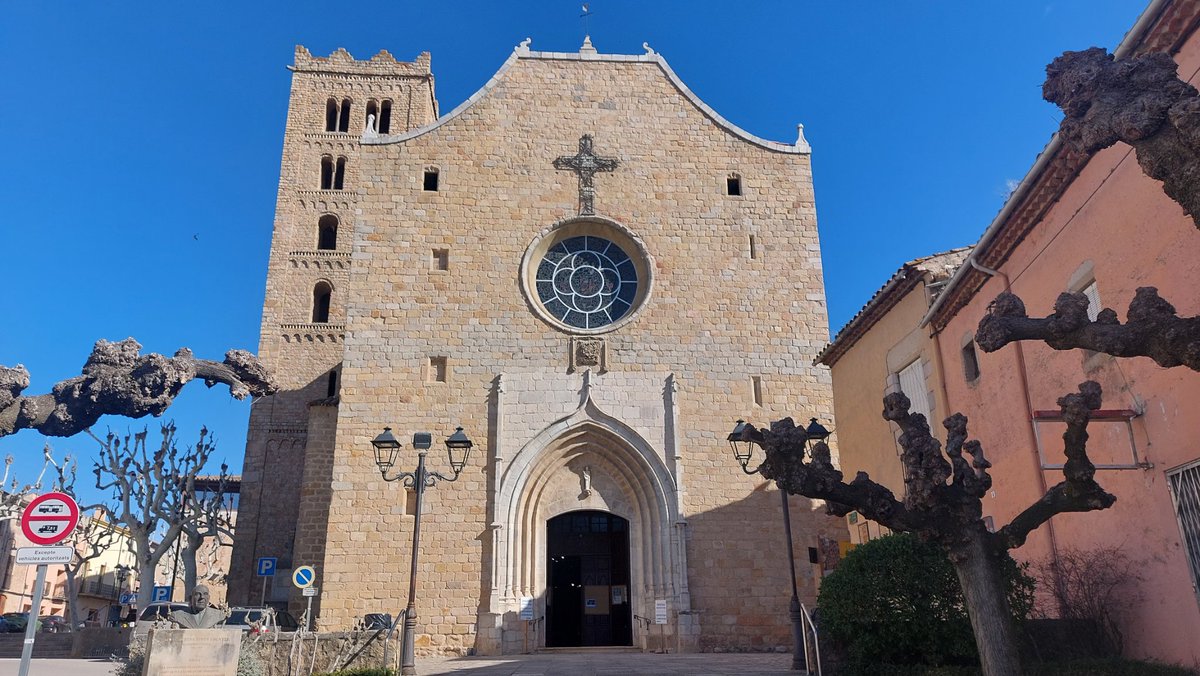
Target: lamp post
743,449
387,447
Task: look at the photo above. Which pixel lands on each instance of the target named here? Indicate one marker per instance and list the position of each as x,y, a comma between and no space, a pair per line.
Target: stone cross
586,163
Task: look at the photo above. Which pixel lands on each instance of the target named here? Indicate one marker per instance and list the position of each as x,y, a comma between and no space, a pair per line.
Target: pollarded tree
118,380
1142,102
149,490
943,501
208,526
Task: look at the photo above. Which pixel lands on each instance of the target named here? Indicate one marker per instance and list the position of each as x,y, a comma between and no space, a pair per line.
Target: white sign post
48,520
303,577
660,618
526,614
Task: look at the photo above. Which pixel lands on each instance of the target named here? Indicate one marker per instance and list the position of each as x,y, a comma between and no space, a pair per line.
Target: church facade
594,275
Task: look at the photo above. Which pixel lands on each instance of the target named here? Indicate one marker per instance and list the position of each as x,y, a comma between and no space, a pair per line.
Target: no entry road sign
304,576
50,518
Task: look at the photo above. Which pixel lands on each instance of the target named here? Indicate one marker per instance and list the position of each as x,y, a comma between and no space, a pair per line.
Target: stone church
595,275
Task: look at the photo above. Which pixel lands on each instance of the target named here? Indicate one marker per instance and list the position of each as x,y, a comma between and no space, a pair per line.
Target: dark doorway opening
587,572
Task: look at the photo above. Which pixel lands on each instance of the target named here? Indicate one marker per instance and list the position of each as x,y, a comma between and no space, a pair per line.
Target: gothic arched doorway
587,580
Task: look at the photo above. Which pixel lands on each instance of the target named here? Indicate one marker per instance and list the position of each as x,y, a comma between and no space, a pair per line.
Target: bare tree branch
150,491
1152,328
118,380
1079,492
1139,100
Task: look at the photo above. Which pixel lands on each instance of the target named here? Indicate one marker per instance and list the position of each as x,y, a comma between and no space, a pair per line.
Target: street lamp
743,445
387,447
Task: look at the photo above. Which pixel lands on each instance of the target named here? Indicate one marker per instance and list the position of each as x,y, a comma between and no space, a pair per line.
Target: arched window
373,110
322,293
326,173
327,227
344,120
385,116
331,115
339,173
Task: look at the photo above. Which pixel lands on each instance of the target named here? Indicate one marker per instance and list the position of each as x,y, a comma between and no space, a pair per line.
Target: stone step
590,650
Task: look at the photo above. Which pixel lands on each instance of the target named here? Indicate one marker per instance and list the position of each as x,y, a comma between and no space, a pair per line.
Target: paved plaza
567,664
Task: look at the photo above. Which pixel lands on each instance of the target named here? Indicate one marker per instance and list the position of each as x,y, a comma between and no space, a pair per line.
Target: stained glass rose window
586,282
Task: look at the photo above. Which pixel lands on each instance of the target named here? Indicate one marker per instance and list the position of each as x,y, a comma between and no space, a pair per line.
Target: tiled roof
938,266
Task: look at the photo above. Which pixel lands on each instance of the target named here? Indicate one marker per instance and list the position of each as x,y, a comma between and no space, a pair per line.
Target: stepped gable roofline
343,63
588,53
935,268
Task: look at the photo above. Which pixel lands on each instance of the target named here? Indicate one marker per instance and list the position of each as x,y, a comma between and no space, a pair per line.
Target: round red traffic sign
50,518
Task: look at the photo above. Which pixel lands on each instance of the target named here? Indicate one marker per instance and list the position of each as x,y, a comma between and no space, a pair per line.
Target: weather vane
586,16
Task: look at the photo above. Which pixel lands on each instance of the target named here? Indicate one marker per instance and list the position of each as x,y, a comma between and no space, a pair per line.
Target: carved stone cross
586,163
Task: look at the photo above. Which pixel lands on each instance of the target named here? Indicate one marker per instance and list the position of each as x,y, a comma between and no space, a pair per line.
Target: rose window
586,282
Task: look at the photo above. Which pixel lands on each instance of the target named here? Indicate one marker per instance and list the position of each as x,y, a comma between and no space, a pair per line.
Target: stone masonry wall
717,319
302,353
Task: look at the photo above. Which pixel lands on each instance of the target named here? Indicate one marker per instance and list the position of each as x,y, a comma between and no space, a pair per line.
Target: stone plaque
192,652
587,353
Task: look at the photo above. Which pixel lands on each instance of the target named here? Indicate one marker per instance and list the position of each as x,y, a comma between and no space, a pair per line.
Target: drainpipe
1022,374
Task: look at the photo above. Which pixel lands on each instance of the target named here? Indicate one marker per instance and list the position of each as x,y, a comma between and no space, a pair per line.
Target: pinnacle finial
587,47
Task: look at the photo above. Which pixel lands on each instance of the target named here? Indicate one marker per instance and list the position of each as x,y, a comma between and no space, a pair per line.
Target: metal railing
808,627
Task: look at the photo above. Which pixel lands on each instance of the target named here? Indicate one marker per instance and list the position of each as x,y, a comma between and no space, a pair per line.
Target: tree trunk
145,570
72,599
987,606
189,564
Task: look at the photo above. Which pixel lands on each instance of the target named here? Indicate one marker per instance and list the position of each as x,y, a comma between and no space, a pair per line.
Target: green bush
897,601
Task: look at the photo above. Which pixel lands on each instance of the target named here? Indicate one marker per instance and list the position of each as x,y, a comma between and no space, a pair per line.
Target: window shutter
912,383
1093,296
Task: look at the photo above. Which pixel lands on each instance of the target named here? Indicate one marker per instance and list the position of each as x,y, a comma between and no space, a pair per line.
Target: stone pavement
611,664
565,664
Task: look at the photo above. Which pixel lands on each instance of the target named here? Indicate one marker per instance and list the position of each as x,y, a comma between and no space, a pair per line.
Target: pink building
1097,225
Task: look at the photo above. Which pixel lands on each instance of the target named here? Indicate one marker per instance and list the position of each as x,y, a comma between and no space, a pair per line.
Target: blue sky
144,141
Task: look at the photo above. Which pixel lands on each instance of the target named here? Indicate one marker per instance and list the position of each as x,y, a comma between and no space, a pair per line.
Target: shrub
896,600
1095,587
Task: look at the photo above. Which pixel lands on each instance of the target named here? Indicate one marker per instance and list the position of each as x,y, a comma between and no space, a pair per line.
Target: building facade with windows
1097,225
879,351
595,275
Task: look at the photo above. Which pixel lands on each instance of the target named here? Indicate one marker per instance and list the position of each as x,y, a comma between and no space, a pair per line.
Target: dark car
17,622
5,627
54,624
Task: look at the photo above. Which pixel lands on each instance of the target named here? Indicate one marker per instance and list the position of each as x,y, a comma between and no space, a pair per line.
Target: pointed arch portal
587,472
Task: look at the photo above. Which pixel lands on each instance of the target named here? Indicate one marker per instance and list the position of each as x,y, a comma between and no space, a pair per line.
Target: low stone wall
288,654
100,642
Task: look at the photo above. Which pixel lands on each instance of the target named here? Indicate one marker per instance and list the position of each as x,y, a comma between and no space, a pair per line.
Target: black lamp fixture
742,449
458,447
387,446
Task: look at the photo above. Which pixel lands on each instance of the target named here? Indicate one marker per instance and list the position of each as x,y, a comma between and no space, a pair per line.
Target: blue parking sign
160,595
265,566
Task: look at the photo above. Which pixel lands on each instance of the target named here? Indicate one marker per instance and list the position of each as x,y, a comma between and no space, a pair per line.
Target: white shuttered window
1093,296
912,384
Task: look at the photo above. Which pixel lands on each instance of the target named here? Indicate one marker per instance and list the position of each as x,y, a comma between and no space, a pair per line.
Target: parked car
54,624
154,613
17,621
5,627
261,620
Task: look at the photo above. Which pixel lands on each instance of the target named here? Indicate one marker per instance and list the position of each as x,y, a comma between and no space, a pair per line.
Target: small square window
438,370
440,260
430,183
